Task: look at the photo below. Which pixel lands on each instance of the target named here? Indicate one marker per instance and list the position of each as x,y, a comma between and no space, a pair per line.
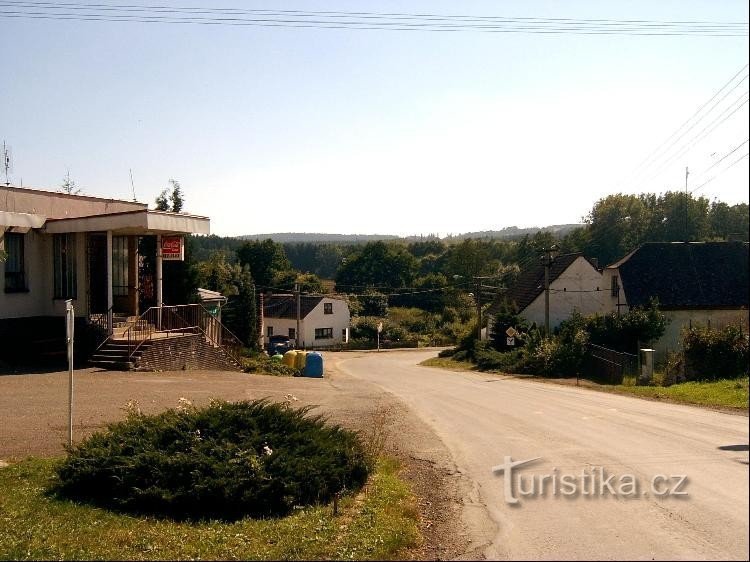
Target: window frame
64,266
323,333
327,308
19,283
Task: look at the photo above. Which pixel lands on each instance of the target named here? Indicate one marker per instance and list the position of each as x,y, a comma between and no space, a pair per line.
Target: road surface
484,418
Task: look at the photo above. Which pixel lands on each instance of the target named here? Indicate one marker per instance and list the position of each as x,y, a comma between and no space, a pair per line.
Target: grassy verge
381,522
723,393
448,363
731,393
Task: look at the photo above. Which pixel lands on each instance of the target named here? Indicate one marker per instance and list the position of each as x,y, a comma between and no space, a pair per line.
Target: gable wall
575,289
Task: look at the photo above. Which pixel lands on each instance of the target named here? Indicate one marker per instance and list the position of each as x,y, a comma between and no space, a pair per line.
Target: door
97,251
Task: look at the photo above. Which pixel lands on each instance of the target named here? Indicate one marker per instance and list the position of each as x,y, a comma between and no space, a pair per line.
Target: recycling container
314,365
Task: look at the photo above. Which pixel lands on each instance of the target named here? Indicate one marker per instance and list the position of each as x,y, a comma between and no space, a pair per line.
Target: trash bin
314,365
278,357
289,358
300,360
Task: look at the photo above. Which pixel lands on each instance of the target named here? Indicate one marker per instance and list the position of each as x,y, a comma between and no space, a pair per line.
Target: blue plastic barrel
314,365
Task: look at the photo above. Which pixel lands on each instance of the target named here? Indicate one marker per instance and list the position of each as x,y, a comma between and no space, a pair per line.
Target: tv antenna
7,162
132,185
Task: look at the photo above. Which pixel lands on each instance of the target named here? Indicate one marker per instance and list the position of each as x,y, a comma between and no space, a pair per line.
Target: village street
452,428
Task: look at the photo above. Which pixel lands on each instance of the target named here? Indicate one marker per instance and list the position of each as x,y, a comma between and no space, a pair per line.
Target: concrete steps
113,356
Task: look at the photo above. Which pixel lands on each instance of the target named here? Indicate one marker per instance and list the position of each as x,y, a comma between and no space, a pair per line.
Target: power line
707,130
665,151
701,108
720,160
361,20
740,159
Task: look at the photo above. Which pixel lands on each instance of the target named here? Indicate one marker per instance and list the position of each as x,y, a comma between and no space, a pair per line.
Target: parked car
279,344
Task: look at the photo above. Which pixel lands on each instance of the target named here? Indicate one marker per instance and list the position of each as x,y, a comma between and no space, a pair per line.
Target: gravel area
33,422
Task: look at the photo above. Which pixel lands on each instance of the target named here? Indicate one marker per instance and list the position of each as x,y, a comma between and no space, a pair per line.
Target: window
323,333
292,333
327,308
15,270
64,257
120,266
269,331
615,286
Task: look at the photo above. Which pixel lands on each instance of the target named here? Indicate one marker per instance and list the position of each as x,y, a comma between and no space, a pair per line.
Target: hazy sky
355,131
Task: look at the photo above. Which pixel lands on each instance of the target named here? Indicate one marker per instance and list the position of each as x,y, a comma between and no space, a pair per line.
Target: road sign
511,332
380,327
510,341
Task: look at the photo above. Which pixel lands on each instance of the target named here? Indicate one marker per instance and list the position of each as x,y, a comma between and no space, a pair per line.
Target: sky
273,129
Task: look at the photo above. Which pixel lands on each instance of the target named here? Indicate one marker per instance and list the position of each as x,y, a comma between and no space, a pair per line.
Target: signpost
69,327
510,341
380,329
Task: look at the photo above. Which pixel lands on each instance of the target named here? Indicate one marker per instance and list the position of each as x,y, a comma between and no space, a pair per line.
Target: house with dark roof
324,320
694,282
575,285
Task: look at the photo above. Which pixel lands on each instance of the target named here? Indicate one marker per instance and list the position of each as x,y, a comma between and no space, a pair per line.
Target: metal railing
608,365
102,324
178,320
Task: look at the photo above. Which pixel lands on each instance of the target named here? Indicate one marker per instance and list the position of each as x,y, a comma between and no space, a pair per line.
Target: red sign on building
172,248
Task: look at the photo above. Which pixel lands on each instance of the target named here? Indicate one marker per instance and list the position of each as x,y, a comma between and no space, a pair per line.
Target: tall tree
172,200
266,260
377,265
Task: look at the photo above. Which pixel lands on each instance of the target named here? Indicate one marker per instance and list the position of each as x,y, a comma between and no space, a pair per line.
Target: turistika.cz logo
592,481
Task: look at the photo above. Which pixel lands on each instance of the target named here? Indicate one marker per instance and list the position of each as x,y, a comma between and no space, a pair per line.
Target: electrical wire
361,20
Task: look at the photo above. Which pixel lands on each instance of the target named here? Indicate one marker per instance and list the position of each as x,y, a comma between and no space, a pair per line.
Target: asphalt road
482,419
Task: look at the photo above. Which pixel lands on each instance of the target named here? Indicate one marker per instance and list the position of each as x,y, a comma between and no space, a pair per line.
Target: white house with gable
324,320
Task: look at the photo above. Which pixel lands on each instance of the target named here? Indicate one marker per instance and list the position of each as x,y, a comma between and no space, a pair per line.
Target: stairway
113,354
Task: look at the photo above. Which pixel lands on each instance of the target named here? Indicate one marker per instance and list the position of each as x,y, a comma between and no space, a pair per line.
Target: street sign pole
69,327
380,329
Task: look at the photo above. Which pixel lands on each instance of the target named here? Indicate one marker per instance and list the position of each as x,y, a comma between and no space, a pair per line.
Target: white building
56,246
575,285
324,321
694,282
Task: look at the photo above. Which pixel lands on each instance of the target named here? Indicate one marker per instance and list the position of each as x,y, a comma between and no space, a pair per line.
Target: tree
69,186
377,265
175,198
266,260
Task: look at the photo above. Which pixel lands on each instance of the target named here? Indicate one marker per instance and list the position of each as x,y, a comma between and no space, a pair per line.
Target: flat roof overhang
20,222
133,222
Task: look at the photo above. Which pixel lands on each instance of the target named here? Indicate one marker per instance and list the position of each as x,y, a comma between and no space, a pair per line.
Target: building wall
38,300
611,302
338,321
53,205
578,288
679,319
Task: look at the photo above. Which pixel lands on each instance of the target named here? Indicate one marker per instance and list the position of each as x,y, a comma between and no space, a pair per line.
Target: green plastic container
278,357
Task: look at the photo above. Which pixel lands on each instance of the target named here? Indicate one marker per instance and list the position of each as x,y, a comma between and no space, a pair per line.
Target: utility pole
548,259
296,333
478,283
687,173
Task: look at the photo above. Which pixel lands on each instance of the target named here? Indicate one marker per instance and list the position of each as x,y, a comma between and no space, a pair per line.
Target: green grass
724,393
448,363
380,522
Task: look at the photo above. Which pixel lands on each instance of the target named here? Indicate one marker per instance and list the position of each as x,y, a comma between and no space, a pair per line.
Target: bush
715,354
262,364
624,332
488,359
224,461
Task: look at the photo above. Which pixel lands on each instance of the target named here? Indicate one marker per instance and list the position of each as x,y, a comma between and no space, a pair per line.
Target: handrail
185,318
232,348
104,323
